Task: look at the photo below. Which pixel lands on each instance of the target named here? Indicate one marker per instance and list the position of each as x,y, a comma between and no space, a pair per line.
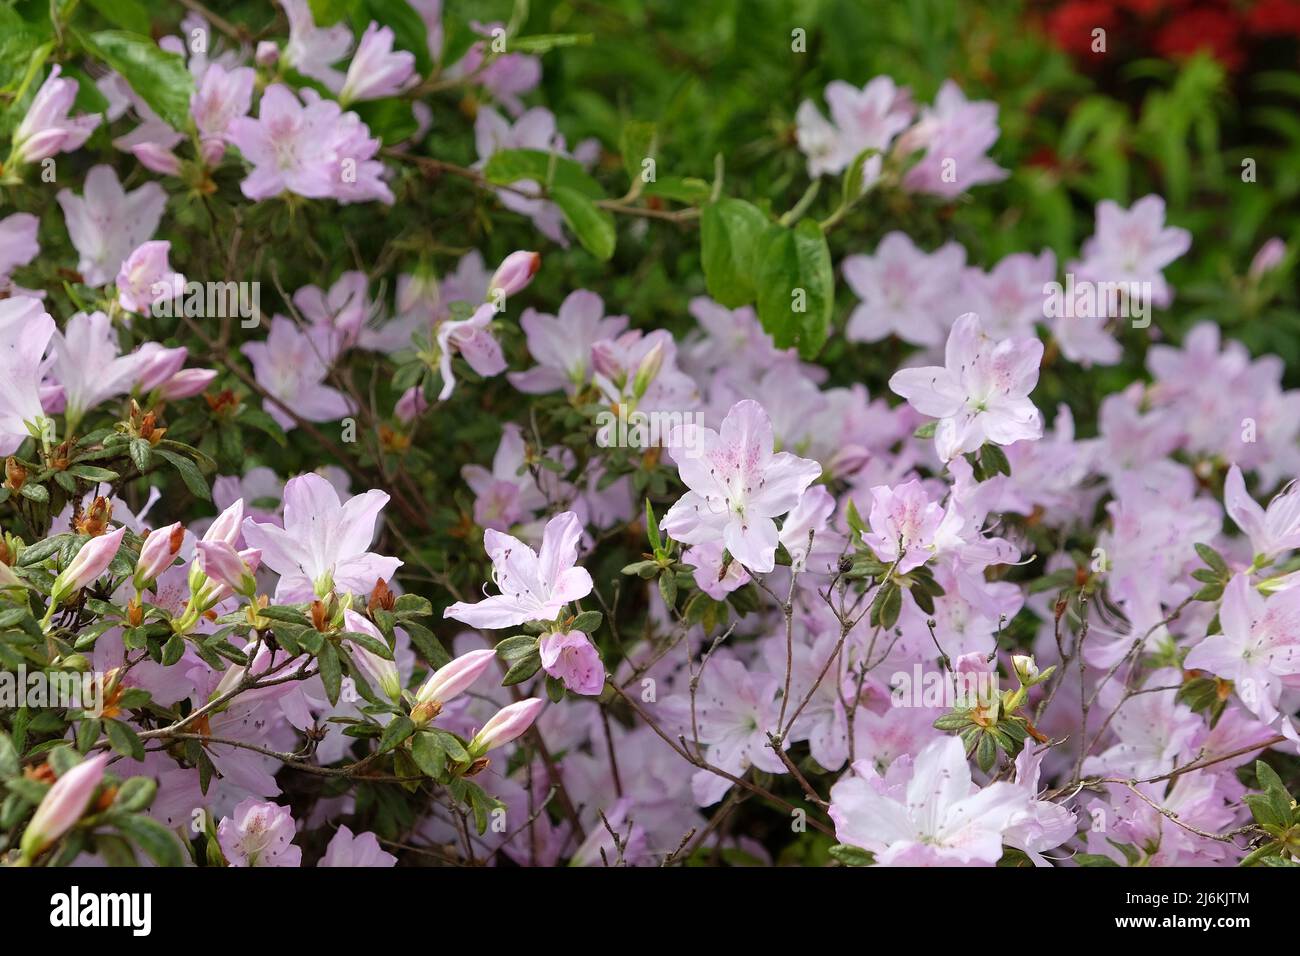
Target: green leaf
593,226
1093,859
428,754
588,622
161,79
796,287
852,855
637,145
398,729
9,762
135,794
189,473
127,14
548,170
1213,559
522,669
155,839
730,232
331,672
123,739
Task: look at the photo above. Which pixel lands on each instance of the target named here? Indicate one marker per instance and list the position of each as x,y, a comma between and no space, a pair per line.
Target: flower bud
186,383
63,806
91,561
226,527
1269,257
157,553
268,54
1025,667
450,680
506,724
378,670
514,273
648,369
233,569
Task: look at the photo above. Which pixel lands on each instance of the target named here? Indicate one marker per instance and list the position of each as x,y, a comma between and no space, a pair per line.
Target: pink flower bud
1268,258
157,159
91,561
157,553
268,54
232,569
454,677
506,724
186,383
157,364
514,273
226,527
379,670
63,805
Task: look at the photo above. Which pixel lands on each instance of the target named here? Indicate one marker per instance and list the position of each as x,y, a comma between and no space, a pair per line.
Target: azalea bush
619,434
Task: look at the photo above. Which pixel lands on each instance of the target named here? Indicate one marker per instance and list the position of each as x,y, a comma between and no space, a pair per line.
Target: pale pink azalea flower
535,585
980,394
18,245
907,527
570,657
472,340
710,575
355,850
535,129
106,222
222,96
147,278
47,128
861,119
737,486
1258,648
561,343
1271,532
504,496
313,50
26,330
341,313
956,134
288,145
259,834
1009,297
292,365
904,291
1042,825
377,70
1133,246
324,544
507,77
87,365
939,817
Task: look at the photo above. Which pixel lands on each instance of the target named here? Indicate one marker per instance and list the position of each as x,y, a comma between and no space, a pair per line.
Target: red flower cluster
1171,28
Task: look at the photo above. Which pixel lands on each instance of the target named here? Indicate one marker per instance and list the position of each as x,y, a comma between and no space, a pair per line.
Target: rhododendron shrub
468,434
